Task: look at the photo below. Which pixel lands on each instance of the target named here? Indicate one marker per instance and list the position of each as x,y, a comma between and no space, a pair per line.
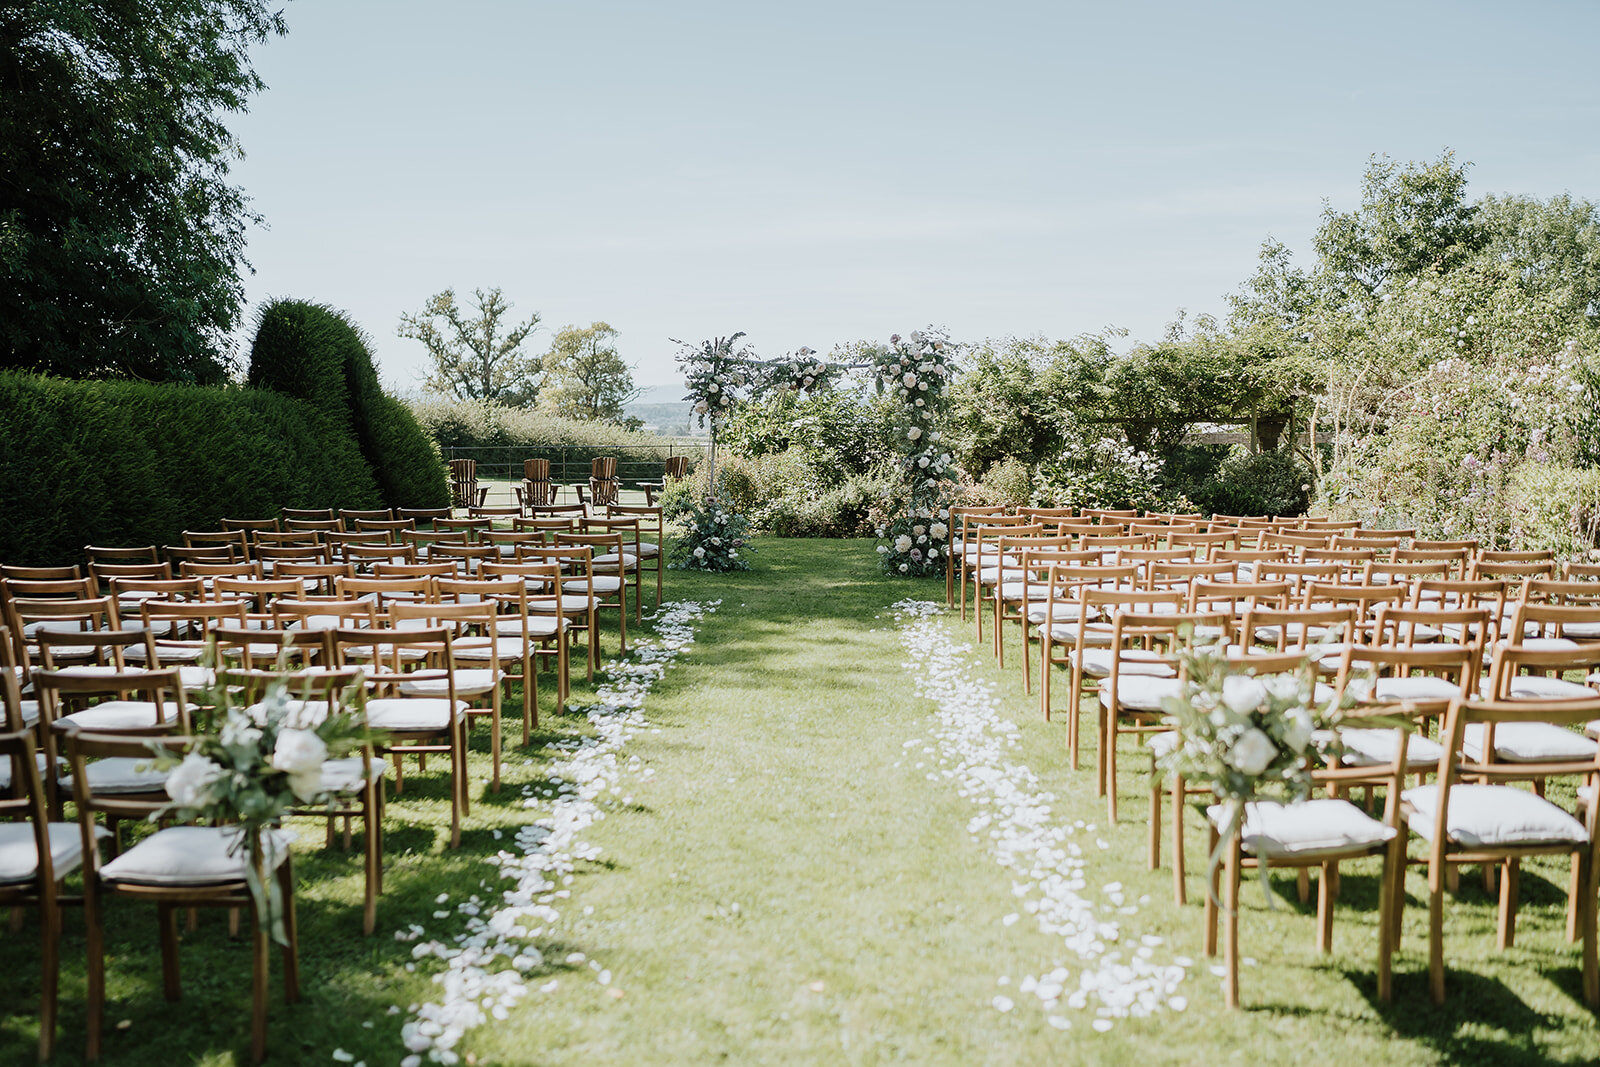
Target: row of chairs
1446,628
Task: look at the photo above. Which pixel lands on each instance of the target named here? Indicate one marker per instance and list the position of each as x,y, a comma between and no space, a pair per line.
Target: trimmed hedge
316,353
128,463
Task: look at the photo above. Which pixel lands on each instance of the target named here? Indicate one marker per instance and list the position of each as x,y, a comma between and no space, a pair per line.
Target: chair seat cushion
1417,687
191,855
610,559
604,585
1097,663
1141,693
122,774
477,649
1489,816
1543,687
412,713
1367,747
19,852
534,626
472,682
1527,742
570,605
119,715
1323,826
1034,590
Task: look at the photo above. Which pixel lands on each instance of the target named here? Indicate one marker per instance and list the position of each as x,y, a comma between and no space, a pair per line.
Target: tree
1411,219
586,378
121,240
472,360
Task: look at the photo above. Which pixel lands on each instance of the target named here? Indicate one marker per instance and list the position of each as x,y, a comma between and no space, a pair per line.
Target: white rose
939,530
189,783
700,408
919,529
914,433
1252,753
923,462
300,754
724,399
717,541
910,380
714,387
904,567
922,539
1242,695
902,543
699,553
733,553
882,549
933,553
1300,727
922,387
919,402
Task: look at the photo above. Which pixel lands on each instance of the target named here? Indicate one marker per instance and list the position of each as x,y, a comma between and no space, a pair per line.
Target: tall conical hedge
315,352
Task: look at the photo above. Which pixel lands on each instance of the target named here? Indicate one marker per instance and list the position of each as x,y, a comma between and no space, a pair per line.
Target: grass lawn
792,883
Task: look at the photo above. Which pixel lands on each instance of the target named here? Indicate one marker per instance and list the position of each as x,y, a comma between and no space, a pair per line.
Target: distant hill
664,410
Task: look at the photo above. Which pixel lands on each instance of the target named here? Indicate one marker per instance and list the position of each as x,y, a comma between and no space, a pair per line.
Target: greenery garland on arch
721,374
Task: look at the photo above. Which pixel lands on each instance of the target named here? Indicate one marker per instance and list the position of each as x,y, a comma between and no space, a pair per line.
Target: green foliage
121,239
714,537
1104,473
844,431
800,498
585,378
131,463
472,359
316,353
1018,398
1261,483
1555,507
1008,483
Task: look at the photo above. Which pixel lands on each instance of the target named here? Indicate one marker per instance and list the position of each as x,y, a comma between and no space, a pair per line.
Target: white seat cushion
609,559
122,774
1323,826
1097,663
474,682
1417,687
1527,742
1487,816
19,852
119,715
477,648
191,855
534,626
569,605
1366,747
1141,693
411,713
604,585
1542,687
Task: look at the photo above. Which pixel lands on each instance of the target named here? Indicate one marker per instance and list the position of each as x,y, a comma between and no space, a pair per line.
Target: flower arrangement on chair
260,762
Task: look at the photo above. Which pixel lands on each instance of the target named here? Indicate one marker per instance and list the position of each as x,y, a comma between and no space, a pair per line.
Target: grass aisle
795,885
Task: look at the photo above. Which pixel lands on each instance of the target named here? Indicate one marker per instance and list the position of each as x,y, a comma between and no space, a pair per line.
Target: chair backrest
1235,597
238,540
1470,544
312,514
316,578
354,515
82,746
250,526
59,649
413,570
314,525
384,593
677,467
113,554
324,614
389,526
268,648
59,689
258,593
1573,621
250,568
1512,661
1296,628
422,515
178,555
71,573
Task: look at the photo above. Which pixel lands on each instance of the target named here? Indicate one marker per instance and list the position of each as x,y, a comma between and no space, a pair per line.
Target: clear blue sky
820,172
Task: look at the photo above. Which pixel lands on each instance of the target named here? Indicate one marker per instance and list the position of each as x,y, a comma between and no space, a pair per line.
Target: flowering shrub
1100,472
714,539
800,373
914,544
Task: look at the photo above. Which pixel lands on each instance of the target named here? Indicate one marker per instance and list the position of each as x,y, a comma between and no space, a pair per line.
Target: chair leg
1435,938
258,993
1509,885
1574,888
1213,888
50,975
1325,894
1590,903
1180,888
95,954
1230,946
167,919
1153,843
291,930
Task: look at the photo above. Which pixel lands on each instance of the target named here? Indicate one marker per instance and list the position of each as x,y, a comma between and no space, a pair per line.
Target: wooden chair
536,489
173,868
1469,814
464,489
479,654
603,485
608,568
544,623
1320,832
414,718
423,515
